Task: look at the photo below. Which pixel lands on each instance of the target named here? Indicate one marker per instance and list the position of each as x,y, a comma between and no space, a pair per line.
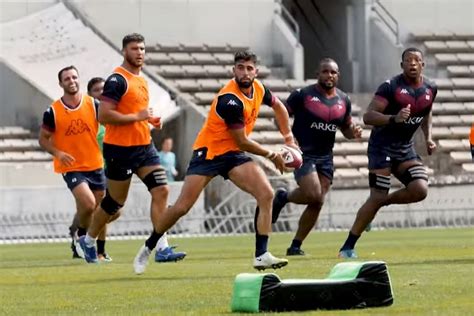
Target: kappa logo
315,99
427,97
77,127
113,79
129,171
404,91
232,102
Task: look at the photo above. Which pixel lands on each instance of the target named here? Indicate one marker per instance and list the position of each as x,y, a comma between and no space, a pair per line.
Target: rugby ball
292,157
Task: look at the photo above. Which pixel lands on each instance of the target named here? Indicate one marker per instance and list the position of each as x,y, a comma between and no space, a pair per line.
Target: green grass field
431,272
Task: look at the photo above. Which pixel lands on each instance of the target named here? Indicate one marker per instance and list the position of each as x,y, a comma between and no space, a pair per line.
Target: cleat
294,252
90,253
267,261
141,260
104,257
347,254
278,204
168,255
75,254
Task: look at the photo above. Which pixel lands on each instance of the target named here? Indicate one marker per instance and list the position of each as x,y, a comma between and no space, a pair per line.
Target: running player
128,148
319,110
220,150
399,107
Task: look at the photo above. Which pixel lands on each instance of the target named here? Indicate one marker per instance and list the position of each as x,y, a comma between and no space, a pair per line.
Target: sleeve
384,92
96,105
268,97
48,120
231,110
114,88
348,115
294,101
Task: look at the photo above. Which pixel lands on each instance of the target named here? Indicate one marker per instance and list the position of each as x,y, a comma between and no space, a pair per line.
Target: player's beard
133,62
327,87
245,85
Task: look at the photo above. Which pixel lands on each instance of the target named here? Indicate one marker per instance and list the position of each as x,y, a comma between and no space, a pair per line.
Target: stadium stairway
17,144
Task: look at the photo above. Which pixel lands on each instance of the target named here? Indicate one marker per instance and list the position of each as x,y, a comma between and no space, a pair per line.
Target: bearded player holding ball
319,110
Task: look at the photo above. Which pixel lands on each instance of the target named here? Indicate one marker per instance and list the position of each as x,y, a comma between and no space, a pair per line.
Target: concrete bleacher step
14,132
449,145
452,120
460,157
454,83
455,59
457,95
448,46
460,71
24,156
468,167
442,36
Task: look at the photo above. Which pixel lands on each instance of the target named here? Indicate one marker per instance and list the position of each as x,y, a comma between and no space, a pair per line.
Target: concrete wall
14,9
22,104
244,22
432,15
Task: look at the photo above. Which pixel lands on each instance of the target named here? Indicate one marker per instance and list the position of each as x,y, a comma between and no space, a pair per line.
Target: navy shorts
95,179
323,165
386,157
219,165
122,162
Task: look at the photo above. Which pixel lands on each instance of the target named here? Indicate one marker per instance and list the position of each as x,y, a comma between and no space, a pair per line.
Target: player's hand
430,146
142,115
357,131
156,122
65,158
403,114
279,162
294,144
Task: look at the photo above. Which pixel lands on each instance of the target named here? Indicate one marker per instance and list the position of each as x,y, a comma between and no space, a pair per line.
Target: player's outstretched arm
248,145
283,122
109,115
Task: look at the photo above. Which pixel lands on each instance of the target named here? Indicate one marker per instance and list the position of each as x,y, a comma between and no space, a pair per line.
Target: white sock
90,242
162,243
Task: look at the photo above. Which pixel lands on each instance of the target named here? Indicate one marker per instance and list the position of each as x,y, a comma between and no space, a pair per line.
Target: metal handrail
286,15
385,13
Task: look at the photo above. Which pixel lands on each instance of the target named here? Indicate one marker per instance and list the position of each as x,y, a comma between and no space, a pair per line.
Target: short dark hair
60,73
134,37
327,60
411,50
93,81
245,56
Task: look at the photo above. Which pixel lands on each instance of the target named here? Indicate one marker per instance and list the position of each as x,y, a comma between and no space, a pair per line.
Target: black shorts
323,165
95,179
386,157
122,162
219,165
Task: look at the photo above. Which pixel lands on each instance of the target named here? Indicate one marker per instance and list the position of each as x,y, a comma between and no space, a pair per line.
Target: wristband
391,120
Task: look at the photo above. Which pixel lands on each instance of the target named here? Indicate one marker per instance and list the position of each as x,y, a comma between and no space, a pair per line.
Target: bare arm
248,145
426,128
374,115
283,121
352,131
108,114
45,142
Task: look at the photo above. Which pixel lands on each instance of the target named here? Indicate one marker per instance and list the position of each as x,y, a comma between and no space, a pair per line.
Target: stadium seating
17,145
453,113
200,70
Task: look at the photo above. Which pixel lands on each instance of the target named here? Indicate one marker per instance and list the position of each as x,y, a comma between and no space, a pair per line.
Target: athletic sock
100,246
151,242
296,244
81,231
162,243
90,242
261,243
350,241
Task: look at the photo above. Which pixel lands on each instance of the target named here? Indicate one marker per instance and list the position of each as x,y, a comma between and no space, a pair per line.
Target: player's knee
156,178
314,197
109,205
266,195
160,193
419,193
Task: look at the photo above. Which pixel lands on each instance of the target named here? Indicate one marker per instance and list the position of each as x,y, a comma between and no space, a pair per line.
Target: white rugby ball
293,158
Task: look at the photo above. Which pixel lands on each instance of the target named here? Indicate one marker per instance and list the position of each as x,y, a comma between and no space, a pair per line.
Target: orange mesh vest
215,134
134,100
76,134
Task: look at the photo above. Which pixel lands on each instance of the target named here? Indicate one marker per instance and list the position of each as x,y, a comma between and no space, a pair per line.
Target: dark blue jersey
396,93
317,118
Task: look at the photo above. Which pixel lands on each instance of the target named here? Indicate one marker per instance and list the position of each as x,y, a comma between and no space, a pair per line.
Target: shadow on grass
441,261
